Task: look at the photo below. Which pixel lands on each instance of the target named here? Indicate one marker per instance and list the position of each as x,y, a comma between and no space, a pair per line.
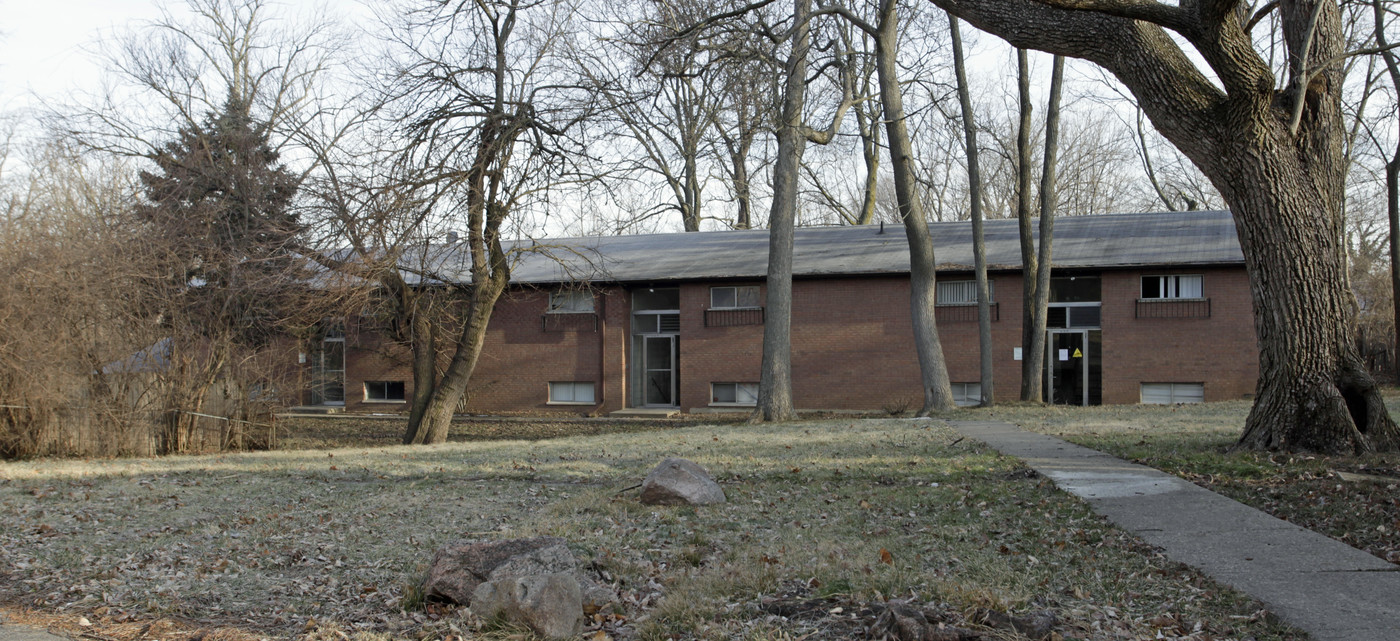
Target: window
740,297
1172,393
962,292
967,394
571,302
1073,316
1184,286
734,393
571,393
384,392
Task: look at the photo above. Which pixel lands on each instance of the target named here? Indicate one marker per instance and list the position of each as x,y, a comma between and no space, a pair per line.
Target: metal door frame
673,344
1083,364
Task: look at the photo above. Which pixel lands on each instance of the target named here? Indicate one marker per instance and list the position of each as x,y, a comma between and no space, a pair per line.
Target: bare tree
793,134
974,182
1273,149
1392,166
489,110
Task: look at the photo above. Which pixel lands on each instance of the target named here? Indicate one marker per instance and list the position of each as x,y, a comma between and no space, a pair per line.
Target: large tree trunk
1314,392
974,187
775,377
1275,156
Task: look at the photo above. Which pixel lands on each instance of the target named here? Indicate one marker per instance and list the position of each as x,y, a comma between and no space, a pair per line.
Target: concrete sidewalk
14,632
1328,588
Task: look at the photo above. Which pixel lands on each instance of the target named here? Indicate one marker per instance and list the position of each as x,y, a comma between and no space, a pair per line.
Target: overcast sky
42,43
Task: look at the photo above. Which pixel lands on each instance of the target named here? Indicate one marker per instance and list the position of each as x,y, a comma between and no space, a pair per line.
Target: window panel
734,297
722,297
962,292
571,392
734,393
384,390
1174,286
1172,393
1084,316
967,394
574,302
747,296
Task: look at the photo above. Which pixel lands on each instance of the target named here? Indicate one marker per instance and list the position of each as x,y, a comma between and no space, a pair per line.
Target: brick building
1144,308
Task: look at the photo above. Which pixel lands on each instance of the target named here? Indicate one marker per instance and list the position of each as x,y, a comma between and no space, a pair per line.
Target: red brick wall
1220,351
851,347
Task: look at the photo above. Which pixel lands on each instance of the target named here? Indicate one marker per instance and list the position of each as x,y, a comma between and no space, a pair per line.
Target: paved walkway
1328,588
14,632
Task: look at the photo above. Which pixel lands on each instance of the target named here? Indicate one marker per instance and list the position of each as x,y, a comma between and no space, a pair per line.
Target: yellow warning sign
1077,353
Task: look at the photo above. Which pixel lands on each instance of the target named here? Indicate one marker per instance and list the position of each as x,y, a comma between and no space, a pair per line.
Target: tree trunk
1030,265
437,416
1033,356
938,393
974,185
775,377
870,152
1314,392
424,346
1392,179
1275,156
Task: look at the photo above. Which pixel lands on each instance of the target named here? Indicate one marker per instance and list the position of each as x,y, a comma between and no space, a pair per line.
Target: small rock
549,604
677,481
458,568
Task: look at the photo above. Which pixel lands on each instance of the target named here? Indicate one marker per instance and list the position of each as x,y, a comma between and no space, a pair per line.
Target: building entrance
1074,367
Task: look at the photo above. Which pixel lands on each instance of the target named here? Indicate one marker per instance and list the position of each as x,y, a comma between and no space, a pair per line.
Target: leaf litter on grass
298,544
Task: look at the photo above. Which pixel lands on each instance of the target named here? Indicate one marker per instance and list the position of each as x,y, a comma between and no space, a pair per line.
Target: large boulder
676,481
549,604
460,567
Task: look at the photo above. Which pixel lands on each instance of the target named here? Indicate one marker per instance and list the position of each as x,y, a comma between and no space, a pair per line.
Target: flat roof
1198,238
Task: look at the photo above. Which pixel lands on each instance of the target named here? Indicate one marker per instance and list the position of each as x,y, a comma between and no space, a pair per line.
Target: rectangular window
734,393
967,394
1073,316
571,393
739,297
962,292
571,302
1182,286
1172,393
384,392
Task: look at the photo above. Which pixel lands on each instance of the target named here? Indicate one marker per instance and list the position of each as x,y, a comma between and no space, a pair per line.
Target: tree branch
1146,10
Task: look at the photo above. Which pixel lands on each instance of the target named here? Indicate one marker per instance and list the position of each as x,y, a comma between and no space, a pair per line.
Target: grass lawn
1191,442
824,518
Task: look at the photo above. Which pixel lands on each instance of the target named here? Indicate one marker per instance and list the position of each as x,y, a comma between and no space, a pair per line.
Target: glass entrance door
659,359
1074,367
328,388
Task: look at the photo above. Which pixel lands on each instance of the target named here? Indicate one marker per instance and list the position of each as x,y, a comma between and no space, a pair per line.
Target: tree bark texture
775,375
938,392
1275,155
423,340
1033,358
974,187
1030,266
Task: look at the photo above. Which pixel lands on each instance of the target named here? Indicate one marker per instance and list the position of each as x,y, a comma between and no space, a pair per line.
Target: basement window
571,393
1173,393
733,393
967,394
1176,286
738,297
384,392
962,292
571,302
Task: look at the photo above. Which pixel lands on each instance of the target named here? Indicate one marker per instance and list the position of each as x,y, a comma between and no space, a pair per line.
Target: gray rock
677,481
459,568
549,604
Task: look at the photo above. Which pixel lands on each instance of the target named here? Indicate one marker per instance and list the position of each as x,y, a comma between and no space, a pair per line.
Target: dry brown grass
270,541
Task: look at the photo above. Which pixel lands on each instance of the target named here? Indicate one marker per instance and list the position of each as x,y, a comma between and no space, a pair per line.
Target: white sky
42,44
